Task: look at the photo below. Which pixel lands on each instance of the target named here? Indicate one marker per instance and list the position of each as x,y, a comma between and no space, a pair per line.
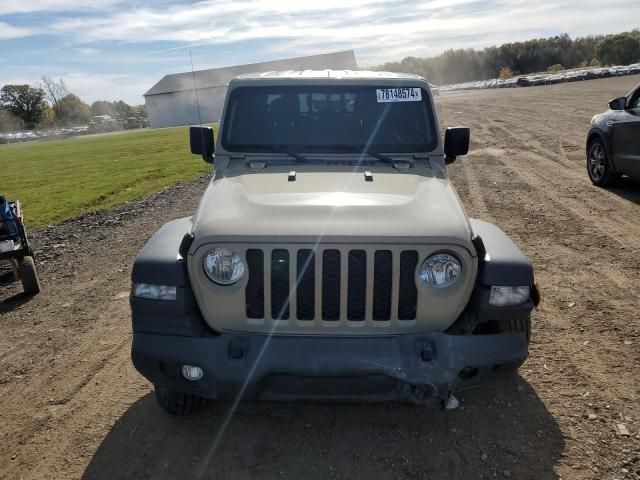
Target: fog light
191,372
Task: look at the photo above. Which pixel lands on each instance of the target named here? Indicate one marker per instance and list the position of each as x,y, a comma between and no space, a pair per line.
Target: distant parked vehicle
613,142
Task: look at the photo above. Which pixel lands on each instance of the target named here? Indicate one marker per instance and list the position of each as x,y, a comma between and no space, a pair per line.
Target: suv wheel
179,403
598,165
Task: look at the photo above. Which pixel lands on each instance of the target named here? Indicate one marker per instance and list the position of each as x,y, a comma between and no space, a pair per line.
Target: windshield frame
337,149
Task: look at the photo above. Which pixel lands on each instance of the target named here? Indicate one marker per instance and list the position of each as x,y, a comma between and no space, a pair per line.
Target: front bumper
270,368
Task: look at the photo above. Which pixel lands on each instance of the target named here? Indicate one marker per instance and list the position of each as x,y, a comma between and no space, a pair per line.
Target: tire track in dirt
508,131
473,197
566,176
583,209
531,176
72,341
586,353
569,366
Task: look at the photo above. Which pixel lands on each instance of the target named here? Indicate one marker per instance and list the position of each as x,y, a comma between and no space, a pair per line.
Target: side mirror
456,142
201,140
618,103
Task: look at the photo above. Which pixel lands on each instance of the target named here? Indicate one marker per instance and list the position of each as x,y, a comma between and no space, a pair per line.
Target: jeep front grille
331,285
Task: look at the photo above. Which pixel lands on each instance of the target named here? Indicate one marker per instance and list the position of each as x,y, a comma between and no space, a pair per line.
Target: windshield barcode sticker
403,94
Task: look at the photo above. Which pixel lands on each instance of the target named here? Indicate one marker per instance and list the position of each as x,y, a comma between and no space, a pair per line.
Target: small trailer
14,245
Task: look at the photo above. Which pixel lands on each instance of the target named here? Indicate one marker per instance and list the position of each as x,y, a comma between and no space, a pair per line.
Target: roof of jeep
327,74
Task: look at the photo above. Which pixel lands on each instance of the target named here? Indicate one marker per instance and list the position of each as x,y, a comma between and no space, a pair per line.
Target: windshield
329,119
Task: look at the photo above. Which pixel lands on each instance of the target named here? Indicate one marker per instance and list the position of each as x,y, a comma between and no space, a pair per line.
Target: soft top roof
327,74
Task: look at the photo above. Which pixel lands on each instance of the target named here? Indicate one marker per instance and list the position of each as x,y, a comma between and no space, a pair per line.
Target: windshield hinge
402,165
257,165
292,176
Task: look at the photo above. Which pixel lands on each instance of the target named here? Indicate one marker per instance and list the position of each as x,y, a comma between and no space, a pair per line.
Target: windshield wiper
297,156
377,155
255,148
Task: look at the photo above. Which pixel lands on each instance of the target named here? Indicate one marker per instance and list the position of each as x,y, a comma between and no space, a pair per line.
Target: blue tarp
7,217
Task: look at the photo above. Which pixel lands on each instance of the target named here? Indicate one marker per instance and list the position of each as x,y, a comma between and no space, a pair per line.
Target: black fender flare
161,262
158,262
500,261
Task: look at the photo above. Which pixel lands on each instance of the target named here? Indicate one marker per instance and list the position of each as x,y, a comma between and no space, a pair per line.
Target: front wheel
598,166
28,275
179,403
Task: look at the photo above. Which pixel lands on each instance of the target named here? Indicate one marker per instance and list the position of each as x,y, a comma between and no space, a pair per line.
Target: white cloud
8,31
382,30
87,50
91,87
8,7
241,31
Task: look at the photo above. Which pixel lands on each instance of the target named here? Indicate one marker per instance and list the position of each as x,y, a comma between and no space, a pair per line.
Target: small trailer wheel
28,275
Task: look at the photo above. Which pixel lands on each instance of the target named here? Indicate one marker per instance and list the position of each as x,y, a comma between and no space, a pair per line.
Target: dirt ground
72,406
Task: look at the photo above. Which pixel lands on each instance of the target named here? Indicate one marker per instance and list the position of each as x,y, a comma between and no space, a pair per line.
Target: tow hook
426,354
451,402
422,394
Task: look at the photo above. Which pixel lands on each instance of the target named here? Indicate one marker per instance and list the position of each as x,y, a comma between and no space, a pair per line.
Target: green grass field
58,180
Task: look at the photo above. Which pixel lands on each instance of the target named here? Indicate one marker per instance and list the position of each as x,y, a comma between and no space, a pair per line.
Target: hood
340,206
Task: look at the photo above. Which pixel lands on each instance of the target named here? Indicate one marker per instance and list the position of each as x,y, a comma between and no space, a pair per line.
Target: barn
172,101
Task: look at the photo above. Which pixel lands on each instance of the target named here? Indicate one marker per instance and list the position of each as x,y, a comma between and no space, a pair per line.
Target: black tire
28,275
599,166
179,403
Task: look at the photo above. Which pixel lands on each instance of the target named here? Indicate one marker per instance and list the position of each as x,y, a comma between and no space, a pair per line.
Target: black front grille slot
382,273
306,275
254,292
331,285
408,294
280,284
357,291
358,265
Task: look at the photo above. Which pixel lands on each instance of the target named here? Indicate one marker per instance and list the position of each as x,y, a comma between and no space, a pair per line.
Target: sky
118,49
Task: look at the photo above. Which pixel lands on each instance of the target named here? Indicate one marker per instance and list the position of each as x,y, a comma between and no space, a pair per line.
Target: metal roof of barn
220,77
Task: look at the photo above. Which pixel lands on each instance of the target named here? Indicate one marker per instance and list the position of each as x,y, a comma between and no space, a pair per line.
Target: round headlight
223,266
440,270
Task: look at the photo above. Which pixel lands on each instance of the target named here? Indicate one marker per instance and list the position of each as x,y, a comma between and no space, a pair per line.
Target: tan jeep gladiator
330,258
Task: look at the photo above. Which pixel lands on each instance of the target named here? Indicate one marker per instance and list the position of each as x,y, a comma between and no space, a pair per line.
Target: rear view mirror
456,142
618,103
201,140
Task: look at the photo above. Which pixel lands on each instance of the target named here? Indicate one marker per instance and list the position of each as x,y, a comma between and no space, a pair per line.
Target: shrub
505,73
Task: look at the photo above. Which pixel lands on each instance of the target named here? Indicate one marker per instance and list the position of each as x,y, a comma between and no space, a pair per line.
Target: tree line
537,55
51,104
